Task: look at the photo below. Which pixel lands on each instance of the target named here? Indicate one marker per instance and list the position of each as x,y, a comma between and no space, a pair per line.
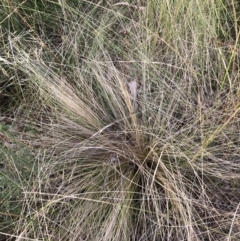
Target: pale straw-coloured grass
132,121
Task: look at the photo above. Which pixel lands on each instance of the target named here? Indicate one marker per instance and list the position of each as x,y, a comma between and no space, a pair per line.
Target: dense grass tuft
119,120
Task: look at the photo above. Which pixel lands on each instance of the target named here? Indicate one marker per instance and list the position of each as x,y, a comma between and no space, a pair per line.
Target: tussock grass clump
130,113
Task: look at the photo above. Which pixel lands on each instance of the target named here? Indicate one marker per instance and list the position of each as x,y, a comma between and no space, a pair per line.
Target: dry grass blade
129,5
